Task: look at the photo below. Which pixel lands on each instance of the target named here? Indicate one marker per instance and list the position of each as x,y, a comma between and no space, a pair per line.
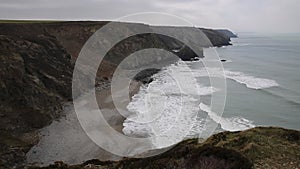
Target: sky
281,16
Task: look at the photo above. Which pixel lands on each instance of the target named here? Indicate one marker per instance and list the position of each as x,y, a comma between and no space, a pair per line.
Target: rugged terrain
36,64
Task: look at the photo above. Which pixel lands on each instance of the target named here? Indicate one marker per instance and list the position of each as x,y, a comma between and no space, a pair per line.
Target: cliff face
260,148
219,39
32,81
227,33
33,87
36,64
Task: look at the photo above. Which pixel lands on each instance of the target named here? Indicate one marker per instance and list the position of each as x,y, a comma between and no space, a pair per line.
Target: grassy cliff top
29,21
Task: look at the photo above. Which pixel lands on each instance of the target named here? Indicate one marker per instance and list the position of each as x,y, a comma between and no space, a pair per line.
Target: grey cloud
240,15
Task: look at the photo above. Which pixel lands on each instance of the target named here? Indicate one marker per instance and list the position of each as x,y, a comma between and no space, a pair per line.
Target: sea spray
228,124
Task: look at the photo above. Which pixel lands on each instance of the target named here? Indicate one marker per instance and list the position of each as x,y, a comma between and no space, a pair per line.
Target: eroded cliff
37,61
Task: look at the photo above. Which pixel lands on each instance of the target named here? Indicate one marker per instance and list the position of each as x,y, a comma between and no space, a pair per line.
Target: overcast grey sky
238,15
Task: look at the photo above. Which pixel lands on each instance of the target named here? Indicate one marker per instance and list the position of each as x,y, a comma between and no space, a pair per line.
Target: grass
30,21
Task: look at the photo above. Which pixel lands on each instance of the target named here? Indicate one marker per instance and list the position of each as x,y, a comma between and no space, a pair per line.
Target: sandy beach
65,140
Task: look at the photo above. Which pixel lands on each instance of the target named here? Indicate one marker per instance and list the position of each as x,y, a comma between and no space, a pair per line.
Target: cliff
227,33
37,61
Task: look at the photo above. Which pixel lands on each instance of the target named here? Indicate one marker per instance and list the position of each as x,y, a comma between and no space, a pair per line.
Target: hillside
37,61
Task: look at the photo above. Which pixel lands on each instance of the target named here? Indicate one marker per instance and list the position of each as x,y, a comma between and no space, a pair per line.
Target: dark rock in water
195,59
223,60
145,76
186,54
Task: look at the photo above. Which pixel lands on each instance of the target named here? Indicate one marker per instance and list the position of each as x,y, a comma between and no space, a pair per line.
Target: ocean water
263,89
272,57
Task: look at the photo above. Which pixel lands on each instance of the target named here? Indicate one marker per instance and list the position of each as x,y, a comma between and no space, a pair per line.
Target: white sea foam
241,44
176,50
229,124
251,81
168,108
240,77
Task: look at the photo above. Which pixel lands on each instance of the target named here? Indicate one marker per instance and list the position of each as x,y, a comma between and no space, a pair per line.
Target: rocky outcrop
145,76
217,38
260,148
36,64
227,33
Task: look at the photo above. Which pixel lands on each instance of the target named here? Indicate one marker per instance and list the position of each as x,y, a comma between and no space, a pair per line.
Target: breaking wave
172,113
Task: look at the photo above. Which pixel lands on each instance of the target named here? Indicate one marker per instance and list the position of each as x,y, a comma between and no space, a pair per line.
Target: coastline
50,44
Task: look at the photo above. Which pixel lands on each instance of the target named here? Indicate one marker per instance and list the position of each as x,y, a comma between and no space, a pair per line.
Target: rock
145,76
186,54
216,38
227,33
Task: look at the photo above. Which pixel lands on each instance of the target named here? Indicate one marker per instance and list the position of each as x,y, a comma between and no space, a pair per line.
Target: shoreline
67,128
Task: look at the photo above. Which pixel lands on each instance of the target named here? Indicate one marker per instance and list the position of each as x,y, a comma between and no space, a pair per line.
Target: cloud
239,15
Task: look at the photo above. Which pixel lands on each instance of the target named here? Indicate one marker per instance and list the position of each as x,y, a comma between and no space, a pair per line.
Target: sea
262,74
